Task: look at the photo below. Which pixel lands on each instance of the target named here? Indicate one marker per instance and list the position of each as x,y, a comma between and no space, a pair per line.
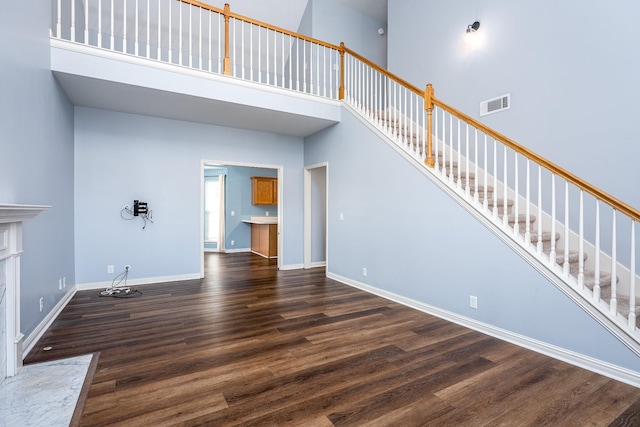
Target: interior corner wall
417,242
334,23
570,67
36,161
120,157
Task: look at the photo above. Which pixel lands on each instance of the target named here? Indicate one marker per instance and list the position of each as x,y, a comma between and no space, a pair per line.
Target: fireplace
11,217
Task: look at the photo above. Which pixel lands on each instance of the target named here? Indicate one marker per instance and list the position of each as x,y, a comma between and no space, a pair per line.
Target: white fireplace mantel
11,218
18,213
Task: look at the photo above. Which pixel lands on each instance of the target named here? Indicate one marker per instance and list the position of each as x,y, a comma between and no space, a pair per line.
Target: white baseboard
292,267
235,251
318,264
580,360
42,327
143,281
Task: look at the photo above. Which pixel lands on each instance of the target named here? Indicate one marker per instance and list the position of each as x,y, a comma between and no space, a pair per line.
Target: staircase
406,133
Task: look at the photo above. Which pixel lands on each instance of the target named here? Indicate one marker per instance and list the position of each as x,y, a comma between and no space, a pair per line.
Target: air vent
494,105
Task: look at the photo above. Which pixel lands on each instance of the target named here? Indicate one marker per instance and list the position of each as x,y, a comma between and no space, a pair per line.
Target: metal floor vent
496,104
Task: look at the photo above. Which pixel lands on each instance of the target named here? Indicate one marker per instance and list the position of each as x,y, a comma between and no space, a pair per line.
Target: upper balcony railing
196,35
584,236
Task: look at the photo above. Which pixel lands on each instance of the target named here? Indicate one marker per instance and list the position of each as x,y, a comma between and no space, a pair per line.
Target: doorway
226,204
316,182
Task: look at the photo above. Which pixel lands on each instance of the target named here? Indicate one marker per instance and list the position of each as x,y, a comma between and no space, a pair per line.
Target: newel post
341,90
227,59
428,105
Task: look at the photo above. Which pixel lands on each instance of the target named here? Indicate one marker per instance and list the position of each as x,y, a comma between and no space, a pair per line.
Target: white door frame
307,214
278,168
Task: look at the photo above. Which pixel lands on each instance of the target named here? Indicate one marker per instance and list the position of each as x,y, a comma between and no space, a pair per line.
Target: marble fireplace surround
11,218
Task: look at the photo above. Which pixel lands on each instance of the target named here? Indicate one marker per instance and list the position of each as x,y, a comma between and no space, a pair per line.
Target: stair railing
585,236
202,37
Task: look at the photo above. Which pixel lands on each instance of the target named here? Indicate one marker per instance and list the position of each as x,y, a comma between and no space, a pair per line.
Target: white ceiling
288,13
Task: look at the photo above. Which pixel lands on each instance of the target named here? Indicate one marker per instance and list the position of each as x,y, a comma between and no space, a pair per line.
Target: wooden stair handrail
615,203
228,13
381,70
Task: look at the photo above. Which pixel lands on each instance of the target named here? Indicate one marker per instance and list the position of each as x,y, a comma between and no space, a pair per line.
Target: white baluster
581,243
86,22
485,182
505,175
565,265
209,43
614,265
220,50
259,54
632,279
539,245
516,196
180,54
290,61
148,50
266,34
99,23
596,261
495,179
170,52
159,32
435,139
304,65
444,144
450,168
527,230
467,187
476,196
112,37
552,254
311,66
135,29
242,50
200,38
190,50
59,20
73,20
459,168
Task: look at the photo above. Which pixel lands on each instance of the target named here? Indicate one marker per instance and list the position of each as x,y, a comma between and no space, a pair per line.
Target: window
212,210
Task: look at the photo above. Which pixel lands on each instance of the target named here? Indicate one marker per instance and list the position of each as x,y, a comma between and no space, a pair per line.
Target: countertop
261,220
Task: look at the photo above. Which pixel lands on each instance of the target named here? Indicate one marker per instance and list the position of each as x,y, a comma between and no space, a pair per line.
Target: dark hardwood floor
253,346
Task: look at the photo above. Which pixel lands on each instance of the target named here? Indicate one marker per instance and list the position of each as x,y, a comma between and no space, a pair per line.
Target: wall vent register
495,105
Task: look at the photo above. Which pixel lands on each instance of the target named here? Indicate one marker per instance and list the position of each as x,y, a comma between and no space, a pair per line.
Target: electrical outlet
233,213
59,286
64,282
341,216
233,243
41,304
110,269
364,271
473,301
266,213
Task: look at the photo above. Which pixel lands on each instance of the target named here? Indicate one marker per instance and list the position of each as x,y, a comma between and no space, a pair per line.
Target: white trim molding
43,326
12,215
142,281
580,360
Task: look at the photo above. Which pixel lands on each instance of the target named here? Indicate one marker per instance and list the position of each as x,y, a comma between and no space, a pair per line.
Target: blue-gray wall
36,160
417,242
571,69
333,22
121,157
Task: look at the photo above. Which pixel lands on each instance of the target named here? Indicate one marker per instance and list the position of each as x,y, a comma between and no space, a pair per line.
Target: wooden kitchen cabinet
264,240
264,190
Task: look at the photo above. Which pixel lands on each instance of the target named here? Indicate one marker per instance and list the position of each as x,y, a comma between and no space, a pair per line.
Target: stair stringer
553,273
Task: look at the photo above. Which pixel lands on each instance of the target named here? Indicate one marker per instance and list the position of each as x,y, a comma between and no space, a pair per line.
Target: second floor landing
109,80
